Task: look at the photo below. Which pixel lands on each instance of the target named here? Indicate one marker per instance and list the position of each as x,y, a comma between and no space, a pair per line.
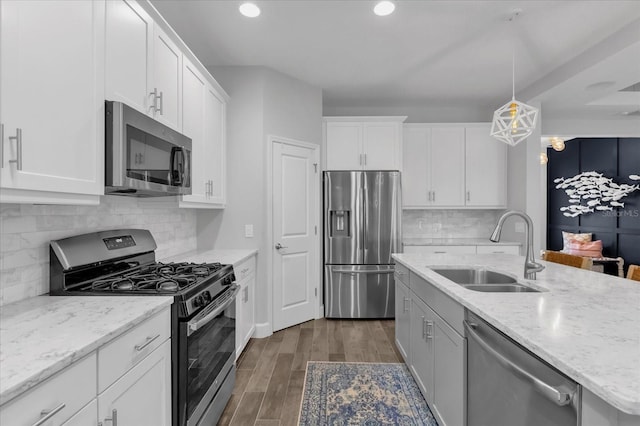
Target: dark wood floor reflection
270,374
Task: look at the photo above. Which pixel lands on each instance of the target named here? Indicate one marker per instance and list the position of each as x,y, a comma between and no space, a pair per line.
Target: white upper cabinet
143,64
363,143
486,168
204,121
453,166
433,174
446,163
343,146
215,112
52,102
129,44
167,77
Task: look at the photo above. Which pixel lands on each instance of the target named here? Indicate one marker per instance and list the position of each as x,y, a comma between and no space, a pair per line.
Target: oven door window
151,159
208,350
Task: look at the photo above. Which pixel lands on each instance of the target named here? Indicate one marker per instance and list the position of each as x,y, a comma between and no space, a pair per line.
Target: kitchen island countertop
42,335
584,323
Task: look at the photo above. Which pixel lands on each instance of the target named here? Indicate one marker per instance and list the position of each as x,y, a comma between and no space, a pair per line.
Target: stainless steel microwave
144,157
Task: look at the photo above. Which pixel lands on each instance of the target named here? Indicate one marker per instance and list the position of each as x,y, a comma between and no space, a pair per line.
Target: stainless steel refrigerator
362,227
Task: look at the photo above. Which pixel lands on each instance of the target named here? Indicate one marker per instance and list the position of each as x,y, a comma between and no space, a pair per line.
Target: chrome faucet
530,265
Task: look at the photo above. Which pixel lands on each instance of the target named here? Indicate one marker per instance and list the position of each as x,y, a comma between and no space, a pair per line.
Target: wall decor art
592,191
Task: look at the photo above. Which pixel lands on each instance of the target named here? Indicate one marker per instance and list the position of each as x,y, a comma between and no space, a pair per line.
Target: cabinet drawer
244,269
402,274
499,249
441,249
73,387
122,353
450,310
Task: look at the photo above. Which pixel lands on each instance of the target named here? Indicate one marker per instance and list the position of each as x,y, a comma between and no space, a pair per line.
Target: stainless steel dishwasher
508,385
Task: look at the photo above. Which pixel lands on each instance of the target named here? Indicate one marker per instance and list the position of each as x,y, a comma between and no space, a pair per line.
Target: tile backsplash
26,229
449,223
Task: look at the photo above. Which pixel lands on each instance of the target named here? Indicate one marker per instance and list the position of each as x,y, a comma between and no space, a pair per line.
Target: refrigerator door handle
368,271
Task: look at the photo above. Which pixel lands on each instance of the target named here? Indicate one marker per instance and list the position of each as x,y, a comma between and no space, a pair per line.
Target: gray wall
263,102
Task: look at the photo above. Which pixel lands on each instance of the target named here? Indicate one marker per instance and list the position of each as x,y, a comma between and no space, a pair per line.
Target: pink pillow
568,236
588,249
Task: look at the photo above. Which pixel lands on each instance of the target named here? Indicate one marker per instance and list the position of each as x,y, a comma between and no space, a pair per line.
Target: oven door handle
197,322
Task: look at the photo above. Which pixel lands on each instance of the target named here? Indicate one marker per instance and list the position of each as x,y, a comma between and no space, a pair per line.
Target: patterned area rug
362,394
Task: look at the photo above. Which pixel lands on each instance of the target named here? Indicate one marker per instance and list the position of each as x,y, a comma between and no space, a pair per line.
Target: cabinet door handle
424,328
161,109
147,342
114,418
439,251
429,333
365,159
406,305
468,195
48,414
434,196
246,294
18,139
154,94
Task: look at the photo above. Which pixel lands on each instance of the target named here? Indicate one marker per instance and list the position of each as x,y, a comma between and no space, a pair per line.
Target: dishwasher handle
551,393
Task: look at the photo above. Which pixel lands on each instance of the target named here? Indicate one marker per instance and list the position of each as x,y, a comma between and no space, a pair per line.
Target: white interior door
295,211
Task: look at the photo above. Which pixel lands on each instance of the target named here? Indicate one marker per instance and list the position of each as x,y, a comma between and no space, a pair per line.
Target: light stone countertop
455,242
42,335
584,323
231,256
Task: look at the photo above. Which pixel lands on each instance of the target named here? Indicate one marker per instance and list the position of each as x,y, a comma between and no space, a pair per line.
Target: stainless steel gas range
122,262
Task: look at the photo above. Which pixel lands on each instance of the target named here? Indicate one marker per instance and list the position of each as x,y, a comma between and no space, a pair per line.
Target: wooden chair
567,259
633,273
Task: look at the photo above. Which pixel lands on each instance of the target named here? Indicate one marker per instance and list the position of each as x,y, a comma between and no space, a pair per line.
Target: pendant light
514,121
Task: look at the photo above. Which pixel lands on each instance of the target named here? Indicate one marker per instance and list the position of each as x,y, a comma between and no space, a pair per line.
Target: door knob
280,246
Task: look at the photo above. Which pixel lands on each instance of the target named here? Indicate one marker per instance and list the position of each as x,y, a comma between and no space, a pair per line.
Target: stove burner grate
157,277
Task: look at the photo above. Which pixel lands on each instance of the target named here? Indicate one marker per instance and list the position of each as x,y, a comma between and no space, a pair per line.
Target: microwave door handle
182,166
176,177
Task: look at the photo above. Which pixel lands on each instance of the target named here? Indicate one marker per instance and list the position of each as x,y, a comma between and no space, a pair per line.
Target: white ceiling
447,53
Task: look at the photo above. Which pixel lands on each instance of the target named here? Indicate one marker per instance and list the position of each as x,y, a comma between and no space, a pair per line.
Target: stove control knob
198,301
206,296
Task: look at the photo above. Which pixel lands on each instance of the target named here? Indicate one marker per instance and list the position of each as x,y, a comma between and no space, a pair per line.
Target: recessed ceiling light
250,10
384,8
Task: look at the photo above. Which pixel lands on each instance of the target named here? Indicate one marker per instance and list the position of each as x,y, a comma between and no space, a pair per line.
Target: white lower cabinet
85,417
421,356
403,301
245,303
436,348
129,377
448,376
143,395
59,397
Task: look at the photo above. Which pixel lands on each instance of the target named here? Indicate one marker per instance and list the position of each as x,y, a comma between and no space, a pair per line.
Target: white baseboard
263,329
321,313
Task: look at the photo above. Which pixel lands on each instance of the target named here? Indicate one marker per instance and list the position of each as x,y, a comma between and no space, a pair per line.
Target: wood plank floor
270,371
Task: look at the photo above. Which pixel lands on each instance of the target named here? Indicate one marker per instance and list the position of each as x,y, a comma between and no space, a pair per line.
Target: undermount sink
479,279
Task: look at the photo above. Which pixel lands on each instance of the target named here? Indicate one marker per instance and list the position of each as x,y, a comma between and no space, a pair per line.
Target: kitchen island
583,323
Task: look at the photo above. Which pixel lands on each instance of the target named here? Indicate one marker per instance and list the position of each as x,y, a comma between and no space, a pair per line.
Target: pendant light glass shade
557,143
514,122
